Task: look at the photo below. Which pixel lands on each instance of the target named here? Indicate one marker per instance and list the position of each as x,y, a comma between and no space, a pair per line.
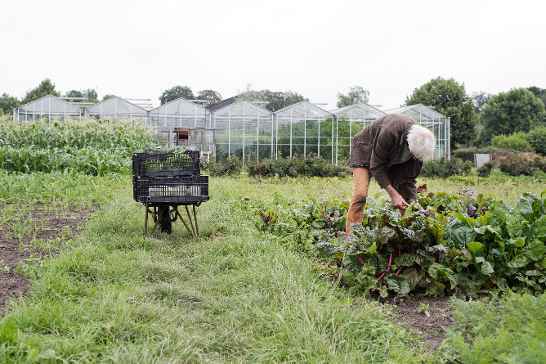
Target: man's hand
397,199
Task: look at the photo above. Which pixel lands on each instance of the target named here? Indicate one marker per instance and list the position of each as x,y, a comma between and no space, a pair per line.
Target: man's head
421,142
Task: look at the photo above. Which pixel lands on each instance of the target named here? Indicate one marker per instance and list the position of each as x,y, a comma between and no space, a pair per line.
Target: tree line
475,119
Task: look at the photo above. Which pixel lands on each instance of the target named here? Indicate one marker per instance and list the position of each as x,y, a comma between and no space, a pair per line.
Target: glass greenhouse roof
358,112
179,107
241,109
51,104
419,112
303,110
116,106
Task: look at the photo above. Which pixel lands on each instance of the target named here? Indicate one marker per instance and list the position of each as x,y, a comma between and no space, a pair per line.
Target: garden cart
165,181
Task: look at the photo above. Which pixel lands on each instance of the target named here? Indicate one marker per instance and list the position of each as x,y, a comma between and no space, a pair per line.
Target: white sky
136,49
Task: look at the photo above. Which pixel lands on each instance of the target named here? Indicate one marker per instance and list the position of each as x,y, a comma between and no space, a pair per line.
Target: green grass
507,330
58,189
234,295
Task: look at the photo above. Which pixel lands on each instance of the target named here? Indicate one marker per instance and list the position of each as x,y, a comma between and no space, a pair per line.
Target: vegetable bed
443,244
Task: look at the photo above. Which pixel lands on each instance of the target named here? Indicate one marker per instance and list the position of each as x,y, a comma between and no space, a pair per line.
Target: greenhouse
182,122
49,107
349,121
116,108
435,121
242,129
304,130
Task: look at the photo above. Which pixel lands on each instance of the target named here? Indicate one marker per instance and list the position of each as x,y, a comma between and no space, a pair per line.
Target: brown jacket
383,149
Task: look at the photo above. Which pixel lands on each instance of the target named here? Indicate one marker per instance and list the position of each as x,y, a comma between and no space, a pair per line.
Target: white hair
421,142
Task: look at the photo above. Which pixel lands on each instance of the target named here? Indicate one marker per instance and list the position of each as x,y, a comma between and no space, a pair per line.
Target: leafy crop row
103,135
90,147
443,244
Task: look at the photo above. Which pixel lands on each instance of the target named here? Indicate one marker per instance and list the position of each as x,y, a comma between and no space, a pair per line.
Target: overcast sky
136,49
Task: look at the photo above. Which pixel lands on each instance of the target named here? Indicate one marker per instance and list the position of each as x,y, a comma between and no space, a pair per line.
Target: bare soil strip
428,317
46,225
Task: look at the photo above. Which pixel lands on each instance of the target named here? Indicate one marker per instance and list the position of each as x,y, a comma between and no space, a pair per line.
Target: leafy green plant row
443,244
75,134
94,162
89,147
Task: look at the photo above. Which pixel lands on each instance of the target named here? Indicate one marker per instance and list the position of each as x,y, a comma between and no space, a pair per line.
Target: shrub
446,168
537,139
515,164
485,170
467,154
516,141
231,166
294,168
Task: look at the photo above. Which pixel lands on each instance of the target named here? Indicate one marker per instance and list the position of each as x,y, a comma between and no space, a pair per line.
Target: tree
538,92
356,95
107,96
46,87
8,103
175,93
210,96
479,99
449,97
510,112
272,100
91,95
74,93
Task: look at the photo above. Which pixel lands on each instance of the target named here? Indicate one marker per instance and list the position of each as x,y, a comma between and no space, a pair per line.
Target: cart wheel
164,218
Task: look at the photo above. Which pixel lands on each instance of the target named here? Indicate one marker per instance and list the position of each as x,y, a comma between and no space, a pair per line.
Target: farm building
49,107
182,122
242,129
304,130
435,121
117,108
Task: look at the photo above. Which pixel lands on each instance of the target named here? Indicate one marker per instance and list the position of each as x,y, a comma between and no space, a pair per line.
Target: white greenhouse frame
240,124
240,127
182,113
306,113
50,107
117,108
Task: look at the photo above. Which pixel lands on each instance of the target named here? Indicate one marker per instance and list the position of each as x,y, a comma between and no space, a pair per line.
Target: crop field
270,279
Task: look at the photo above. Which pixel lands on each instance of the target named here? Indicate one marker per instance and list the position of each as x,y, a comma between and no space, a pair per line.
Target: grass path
232,296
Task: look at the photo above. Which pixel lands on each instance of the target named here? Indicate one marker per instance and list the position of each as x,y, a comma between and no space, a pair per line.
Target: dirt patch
44,225
429,317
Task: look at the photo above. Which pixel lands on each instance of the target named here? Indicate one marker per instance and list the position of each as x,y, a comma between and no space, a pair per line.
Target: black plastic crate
178,190
166,164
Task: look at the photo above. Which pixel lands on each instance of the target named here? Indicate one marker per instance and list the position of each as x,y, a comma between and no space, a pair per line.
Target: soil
428,317
47,225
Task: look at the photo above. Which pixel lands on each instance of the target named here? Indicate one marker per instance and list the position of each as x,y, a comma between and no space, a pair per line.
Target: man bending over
391,150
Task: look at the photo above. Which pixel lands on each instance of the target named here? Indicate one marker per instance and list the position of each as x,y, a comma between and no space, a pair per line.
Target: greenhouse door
182,136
